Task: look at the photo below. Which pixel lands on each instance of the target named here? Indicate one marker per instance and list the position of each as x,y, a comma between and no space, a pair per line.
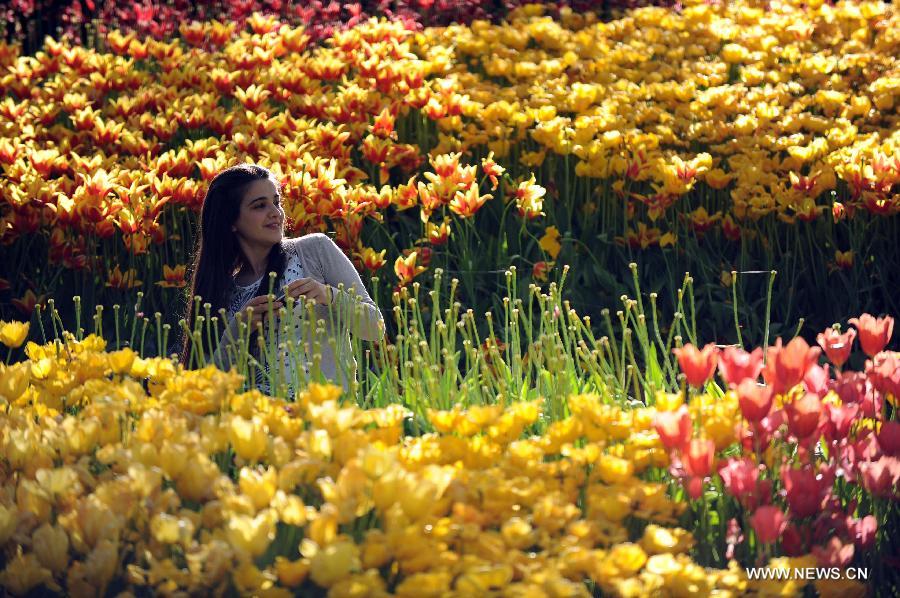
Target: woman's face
261,217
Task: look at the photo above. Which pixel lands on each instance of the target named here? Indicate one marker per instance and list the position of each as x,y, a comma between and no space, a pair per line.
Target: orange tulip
698,365
173,277
466,203
874,333
837,346
371,259
406,269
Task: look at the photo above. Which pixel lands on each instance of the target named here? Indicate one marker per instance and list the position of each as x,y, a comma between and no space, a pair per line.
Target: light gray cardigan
352,310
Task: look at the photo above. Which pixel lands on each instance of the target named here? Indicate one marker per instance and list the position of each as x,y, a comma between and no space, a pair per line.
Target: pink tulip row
160,19
800,430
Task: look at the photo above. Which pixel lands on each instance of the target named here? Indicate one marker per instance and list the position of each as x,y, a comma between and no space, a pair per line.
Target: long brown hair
217,253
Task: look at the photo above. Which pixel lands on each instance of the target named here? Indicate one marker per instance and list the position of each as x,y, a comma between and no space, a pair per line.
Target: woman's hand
260,306
311,288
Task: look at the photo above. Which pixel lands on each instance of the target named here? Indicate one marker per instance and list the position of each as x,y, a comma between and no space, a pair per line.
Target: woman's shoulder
309,242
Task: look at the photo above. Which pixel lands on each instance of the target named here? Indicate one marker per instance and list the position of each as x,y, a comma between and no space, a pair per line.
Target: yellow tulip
334,562
13,334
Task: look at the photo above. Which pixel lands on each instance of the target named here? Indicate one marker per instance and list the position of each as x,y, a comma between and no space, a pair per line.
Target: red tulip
874,333
884,372
787,365
793,542
882,477
699,457
698,365
806,489
757,435
855,387
736,365
889,438
694,487
816,380
768,522
803,415
839,420
674,427
741,480
755,400
837,346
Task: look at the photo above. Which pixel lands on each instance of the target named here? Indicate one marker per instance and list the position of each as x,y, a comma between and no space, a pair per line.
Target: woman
241,239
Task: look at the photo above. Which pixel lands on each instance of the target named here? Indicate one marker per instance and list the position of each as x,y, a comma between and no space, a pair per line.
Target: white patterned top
241,294
326,336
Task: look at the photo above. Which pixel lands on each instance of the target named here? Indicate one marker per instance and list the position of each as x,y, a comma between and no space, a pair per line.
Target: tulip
862,531
754,400
883,371
803,415
881,477
874,333
839,420
674,427
816,380
787,365
768,522
694,487
737,365
837,346
699,457
741,480
855,387
13,334
698,365
889,438
806,489
792,542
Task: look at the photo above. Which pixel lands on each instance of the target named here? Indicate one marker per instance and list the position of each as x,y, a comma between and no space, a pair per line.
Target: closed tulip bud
51,545
806,489
699,457
248,437
840,419
889,438
754,400
874,333
803,415
334,562
793,542
674,427
694,487
838,212
737,365
768,522
816,380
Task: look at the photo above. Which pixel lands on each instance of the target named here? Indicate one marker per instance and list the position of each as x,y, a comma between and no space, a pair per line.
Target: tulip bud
755,400
837,346
698,365
803,415
699,457
768,522
674,427
736,365
874,333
